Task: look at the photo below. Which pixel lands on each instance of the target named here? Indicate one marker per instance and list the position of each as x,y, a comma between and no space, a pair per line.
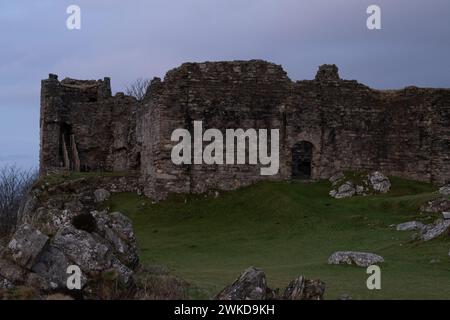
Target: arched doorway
302,153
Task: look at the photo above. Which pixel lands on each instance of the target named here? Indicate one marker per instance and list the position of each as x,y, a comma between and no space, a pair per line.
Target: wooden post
75,157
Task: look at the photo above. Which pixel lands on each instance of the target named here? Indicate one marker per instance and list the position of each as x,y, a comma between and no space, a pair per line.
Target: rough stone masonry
326,125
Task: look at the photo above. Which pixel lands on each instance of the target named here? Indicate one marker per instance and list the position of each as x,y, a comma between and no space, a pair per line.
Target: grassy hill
290,229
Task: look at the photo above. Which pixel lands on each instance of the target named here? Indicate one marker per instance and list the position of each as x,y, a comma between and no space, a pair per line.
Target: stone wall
222,95
337,124
402,133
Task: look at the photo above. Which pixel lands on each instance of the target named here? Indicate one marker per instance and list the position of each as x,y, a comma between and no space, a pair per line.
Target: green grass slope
290,229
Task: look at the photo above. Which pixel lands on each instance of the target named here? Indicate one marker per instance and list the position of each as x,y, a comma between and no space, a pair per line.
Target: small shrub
15,184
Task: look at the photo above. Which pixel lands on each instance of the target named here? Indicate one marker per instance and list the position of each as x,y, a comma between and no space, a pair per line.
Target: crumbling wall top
328,72
239,70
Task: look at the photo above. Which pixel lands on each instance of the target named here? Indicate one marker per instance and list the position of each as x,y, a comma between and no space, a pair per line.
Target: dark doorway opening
302,160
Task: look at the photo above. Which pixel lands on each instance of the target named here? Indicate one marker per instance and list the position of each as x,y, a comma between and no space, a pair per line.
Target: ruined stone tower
326,125
85,128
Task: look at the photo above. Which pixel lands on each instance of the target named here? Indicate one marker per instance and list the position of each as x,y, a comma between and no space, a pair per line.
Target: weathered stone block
26,245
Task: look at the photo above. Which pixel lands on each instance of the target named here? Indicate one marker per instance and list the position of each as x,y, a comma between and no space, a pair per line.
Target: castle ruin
326,125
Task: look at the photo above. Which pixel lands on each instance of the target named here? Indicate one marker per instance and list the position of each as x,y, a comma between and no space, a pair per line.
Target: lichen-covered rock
101,195
346,190
379,182
435,230
52,266
251,285
50,220
304,289
83,249
445,190
359,184
360,259
26,245
59,227
117,229
410,225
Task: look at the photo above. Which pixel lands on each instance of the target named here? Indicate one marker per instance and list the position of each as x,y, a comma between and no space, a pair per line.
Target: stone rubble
360,259
374,182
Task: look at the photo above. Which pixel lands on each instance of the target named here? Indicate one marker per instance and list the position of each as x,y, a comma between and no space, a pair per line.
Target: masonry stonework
85,128
326,125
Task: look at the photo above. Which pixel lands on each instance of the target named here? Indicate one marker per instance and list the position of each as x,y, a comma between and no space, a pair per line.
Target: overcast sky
145,38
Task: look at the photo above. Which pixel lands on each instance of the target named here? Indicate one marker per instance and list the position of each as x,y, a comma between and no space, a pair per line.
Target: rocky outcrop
60,227
360,259
252,285
358,184
304,289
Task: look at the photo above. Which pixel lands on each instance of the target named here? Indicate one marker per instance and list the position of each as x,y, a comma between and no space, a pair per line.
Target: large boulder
83,249
251,285
360,259
435,230
52,266
90,252
304,289
26,245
